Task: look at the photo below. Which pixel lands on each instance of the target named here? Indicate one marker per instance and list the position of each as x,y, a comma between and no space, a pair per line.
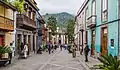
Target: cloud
56,6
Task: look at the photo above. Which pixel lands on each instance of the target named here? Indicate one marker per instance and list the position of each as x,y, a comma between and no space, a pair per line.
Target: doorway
1,40
34,42
25,39
104,37
18,41
93,42
29,42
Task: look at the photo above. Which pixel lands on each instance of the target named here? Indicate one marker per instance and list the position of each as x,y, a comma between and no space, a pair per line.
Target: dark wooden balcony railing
23,19
91,21
6,23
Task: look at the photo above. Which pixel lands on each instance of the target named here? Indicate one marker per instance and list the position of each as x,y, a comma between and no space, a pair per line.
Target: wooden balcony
91,21
23,20
6,24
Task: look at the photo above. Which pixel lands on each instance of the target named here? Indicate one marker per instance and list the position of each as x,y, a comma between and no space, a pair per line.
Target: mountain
61,18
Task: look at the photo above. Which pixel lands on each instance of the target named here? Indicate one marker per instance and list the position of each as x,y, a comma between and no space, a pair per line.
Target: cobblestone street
59,60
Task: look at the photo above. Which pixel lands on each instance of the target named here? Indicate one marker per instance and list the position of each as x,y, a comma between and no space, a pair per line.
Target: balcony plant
109,62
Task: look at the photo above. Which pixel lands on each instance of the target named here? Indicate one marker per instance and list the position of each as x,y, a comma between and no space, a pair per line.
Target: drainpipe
118,26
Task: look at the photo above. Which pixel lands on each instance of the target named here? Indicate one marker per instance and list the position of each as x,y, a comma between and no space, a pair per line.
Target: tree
52,24
70,29
19,5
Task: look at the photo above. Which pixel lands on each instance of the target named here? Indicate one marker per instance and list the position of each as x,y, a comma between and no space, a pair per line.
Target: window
33,16
29,14
93,7
104,6
87,14
104,10
83,18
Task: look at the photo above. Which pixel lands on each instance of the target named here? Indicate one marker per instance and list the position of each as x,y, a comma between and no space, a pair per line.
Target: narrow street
59,60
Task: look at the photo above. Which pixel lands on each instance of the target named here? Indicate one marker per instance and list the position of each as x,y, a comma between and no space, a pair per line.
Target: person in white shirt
25,50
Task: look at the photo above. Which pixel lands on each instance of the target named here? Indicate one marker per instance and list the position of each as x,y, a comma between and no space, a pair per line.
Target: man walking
49,47
86,50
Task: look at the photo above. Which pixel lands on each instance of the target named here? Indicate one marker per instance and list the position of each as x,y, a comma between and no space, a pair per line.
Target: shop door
104,41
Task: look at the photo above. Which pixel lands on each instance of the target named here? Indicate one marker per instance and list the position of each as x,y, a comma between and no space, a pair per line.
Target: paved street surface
59,60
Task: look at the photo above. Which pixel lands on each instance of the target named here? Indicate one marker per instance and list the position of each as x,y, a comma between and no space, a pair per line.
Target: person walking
25,50
86,51
10,53
49,47
73,47
61,47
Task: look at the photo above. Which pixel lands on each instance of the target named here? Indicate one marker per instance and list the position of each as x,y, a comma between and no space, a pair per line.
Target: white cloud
56,6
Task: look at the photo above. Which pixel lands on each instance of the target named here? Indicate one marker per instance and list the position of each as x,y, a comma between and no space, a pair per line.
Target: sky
57,6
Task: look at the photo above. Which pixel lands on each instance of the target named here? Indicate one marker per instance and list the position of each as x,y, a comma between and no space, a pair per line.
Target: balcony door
104,40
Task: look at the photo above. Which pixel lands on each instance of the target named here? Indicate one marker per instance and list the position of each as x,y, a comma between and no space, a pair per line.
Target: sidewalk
15,58
88,65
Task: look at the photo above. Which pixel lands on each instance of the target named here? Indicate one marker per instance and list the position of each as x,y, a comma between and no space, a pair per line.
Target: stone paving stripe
48,61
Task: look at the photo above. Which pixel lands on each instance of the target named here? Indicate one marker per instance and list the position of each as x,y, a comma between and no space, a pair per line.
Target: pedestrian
61,47
39,51
21,46
25,50
55,46
86,51
52,48
10,53
65,46
73,47
49,47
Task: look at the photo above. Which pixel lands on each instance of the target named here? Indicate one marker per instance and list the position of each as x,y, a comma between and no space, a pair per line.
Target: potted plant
3,50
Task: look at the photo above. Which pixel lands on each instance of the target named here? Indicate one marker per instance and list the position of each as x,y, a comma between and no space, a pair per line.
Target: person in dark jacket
49,47
61,47
86,51
10,53
21,46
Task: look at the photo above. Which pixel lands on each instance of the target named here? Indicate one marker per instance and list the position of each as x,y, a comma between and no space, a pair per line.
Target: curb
84,64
